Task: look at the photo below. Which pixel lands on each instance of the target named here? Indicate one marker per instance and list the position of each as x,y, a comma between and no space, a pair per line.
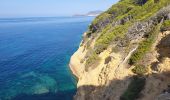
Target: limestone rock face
119,36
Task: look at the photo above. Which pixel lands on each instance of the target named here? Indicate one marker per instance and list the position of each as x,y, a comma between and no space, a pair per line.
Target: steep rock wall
104,71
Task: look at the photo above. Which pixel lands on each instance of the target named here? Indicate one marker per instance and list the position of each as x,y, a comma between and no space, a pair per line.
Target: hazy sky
19,8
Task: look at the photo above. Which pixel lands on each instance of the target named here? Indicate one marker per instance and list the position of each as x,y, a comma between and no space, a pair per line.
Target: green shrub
165,25
135,87
100,47
92,61
140,69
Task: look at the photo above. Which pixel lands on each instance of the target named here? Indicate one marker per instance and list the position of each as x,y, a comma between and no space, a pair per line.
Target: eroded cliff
125,54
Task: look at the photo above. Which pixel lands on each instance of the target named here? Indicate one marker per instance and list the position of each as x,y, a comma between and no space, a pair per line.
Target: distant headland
91,13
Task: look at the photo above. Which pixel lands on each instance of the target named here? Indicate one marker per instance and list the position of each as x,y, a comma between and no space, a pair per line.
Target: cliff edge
125,54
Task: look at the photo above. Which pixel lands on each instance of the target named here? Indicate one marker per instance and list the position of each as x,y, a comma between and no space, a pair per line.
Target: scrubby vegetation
119,12
145,46
165,25
117,21
135,87
120,8
139,9
140,69
108,35
92,60
99,18
144,12
127,25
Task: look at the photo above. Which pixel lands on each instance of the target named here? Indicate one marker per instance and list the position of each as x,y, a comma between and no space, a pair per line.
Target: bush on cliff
140,70
91,61
165,26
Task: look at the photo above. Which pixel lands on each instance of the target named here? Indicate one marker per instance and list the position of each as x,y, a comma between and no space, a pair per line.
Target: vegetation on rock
140,69
92,60
117,22
108,34
166,25
145,46
129,28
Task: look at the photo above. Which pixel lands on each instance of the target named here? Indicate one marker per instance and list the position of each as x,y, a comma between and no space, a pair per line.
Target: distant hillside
91,13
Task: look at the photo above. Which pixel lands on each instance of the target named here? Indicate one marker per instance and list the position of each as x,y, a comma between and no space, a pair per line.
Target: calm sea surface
34,57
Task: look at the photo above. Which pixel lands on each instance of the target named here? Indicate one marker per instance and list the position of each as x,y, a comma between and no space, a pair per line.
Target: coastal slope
125,53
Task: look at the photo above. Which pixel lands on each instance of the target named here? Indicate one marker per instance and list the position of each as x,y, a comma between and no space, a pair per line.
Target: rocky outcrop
113,77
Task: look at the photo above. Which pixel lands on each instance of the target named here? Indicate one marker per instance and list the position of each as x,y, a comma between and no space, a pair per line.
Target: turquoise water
34,57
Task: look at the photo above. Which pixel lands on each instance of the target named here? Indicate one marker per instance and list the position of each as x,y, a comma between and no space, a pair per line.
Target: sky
40,8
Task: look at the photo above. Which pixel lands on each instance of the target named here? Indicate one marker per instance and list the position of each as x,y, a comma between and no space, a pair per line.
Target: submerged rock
39,89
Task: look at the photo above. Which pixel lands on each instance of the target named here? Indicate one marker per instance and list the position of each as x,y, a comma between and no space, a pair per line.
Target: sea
35,54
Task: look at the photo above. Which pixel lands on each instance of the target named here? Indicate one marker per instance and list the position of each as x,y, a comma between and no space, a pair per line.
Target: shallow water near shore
34,57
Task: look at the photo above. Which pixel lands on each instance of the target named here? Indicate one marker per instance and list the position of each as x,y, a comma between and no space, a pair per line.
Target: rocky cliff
125,54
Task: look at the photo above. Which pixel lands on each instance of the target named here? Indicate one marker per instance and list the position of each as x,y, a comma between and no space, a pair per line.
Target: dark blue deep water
34,57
